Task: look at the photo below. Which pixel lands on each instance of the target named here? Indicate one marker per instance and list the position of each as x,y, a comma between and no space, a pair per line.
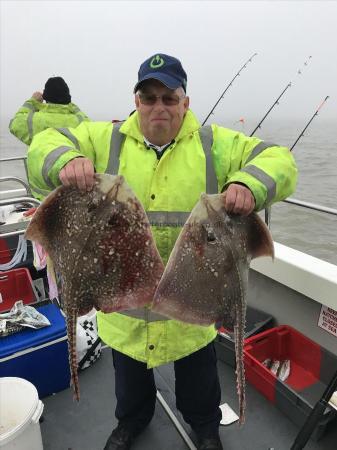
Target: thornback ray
206,278
102,247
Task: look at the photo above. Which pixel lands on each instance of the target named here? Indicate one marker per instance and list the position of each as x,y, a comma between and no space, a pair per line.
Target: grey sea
306,230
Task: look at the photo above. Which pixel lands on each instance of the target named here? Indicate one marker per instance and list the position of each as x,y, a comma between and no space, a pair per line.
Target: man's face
160,122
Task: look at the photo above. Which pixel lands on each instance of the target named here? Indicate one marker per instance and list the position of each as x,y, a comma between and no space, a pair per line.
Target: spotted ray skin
206,278
101,245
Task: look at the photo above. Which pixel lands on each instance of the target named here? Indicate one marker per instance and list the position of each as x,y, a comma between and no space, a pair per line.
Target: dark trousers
197,390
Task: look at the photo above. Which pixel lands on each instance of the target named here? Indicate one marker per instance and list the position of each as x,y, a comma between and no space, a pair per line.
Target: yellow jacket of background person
34,117
173,183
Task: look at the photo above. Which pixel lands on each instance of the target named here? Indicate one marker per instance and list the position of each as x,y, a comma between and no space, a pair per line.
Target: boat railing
17,158
309,205
17,180
15,192
302,204
17,227
27,200
14,158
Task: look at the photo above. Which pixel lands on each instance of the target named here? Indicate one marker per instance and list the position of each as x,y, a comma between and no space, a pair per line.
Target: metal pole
17,180
314,206
12,201
176,422
267,216
13,158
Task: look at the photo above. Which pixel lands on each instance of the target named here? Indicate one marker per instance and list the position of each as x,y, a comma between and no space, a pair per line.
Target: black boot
120,439
210,443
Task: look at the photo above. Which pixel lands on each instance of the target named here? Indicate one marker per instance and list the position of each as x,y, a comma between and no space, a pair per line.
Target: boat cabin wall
292,291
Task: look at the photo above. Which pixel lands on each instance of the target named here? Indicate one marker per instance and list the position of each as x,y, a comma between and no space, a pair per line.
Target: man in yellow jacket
168,160
35,116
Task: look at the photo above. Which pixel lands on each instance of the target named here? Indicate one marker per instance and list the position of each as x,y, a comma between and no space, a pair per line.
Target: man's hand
78,172
239,199
38,96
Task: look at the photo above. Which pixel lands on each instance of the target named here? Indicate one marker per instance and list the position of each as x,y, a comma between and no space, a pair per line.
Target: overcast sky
97,46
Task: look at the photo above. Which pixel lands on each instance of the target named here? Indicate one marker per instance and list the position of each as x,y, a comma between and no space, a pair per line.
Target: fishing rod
272,106
228,86
267,212
299,72
315,416
312,118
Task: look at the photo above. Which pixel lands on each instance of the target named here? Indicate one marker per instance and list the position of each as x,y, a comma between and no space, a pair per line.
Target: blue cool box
39,356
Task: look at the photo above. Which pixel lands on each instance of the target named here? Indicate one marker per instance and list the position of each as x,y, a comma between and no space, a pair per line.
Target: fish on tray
206,278
102,247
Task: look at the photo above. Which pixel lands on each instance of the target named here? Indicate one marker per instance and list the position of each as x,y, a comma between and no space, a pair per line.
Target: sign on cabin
328,320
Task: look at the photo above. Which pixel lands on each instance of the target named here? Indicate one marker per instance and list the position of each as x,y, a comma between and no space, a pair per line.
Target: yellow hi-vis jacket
169,188
34,117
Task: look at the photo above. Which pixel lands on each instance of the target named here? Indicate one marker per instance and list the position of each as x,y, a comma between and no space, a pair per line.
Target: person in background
162,152
52,108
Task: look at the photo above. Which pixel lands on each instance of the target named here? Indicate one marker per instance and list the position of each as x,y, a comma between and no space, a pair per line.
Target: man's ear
137,101
186,103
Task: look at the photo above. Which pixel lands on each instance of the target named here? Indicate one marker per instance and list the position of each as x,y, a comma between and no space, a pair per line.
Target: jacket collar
58,108
131,126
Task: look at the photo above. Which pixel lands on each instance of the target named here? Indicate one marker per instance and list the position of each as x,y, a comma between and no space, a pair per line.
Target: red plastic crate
283,342
15,284
5,253
311,369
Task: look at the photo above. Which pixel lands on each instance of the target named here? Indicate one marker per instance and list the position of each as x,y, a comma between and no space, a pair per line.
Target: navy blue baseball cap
164,68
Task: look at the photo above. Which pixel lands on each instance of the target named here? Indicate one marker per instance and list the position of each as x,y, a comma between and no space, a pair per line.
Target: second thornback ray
206,278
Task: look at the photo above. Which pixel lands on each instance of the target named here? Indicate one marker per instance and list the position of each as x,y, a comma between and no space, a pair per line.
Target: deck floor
86,425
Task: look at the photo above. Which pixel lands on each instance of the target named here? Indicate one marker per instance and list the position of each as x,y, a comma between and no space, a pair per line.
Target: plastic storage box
15,284
5,253
40,356
311,369
256,321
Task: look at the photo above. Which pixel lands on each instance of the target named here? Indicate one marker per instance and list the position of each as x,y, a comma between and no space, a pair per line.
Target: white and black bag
88,343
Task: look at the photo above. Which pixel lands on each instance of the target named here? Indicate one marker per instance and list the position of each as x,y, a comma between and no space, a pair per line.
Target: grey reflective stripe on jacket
264,178
144,314
259,174
50,160
55,154
161,218
80,118
43,192
259,148
29,106
206,137
167,218
78,113
116,142
30,118
69,135
30,124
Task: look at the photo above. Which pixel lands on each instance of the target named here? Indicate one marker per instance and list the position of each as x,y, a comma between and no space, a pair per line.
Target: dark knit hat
56,90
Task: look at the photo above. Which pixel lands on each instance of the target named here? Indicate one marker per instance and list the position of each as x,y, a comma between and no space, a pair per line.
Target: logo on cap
156,62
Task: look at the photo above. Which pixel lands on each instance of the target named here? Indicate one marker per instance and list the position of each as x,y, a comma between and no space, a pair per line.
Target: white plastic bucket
20,411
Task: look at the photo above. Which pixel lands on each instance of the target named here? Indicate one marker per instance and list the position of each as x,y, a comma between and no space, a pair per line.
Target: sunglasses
167,99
